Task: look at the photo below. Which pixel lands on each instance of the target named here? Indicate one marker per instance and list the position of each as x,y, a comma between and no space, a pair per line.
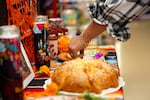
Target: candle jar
40,29
10,63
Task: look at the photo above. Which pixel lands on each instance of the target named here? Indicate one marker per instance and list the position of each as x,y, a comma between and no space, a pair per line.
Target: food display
93,76
79,75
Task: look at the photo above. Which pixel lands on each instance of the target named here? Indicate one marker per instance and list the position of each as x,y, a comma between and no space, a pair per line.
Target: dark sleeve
3,12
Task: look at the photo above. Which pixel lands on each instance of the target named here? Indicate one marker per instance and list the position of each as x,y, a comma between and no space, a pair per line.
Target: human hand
77,44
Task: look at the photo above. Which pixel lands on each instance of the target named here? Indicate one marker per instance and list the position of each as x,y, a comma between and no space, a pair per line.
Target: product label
53,46
10,54
39,27
41,43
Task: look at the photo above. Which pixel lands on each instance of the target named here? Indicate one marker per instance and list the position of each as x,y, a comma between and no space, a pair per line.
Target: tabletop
110,57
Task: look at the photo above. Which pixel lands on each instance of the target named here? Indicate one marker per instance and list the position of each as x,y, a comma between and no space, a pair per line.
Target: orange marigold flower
51,89
63,42
45,69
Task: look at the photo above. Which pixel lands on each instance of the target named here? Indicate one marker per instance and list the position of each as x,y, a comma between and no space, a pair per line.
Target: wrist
84,41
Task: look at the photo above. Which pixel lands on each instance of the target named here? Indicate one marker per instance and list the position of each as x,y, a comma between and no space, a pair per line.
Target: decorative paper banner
20,14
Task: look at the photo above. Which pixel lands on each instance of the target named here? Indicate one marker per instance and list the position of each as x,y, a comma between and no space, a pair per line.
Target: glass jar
40,28
10,63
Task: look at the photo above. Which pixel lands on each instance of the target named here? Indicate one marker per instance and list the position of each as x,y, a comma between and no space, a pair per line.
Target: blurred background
75,15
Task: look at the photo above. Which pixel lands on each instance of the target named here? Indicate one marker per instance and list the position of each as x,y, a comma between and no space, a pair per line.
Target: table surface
117,95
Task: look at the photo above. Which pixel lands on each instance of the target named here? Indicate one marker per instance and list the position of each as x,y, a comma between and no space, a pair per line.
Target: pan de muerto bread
81,75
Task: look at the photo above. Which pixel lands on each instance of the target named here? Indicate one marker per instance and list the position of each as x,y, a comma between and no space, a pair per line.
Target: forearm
92,31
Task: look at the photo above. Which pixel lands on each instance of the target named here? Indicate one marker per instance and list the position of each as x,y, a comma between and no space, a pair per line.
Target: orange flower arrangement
63,42
51,90
43,71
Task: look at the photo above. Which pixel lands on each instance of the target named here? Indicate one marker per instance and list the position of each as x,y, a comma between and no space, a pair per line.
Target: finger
73,50
74,54
81,55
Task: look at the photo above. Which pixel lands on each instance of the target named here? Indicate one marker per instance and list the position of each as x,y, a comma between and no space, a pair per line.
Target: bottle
10,63
40,28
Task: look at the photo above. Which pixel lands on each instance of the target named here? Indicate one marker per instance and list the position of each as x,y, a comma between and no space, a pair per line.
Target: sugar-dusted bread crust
81,75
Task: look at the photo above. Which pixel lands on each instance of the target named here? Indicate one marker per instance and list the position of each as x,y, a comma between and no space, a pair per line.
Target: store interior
133,55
